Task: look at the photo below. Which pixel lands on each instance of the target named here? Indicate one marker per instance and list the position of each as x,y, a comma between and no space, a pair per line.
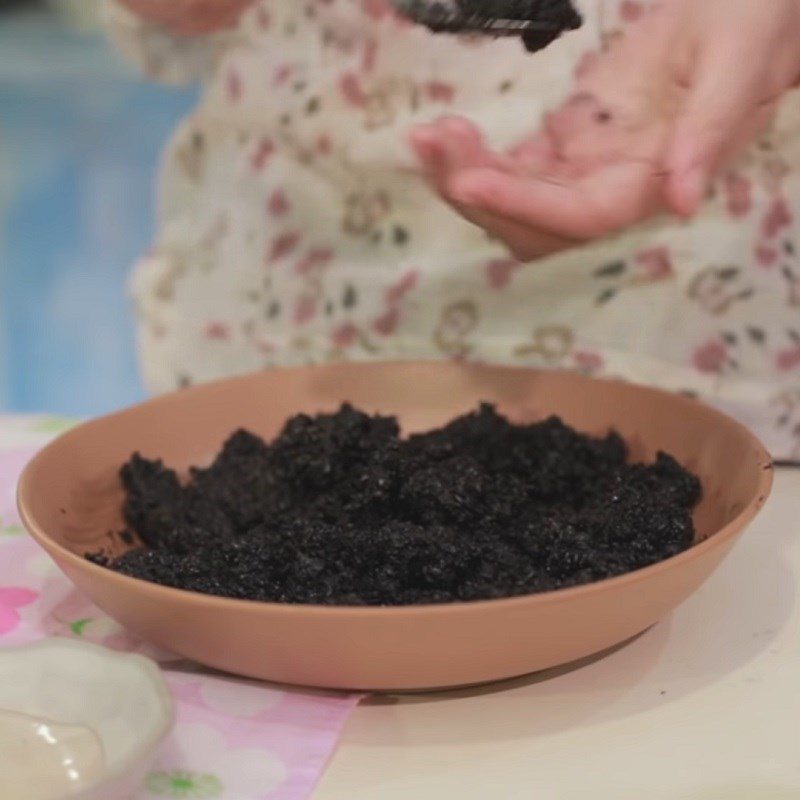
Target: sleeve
160,54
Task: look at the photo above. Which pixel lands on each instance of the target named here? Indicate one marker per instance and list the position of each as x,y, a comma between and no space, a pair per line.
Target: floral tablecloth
234,739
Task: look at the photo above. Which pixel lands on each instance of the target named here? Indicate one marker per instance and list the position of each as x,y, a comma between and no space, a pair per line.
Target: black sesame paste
341,510
546,20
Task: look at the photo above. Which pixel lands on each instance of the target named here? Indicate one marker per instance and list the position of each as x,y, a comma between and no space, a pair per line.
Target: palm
534,206
592,169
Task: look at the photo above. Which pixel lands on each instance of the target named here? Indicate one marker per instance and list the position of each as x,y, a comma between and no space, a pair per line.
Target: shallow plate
70,500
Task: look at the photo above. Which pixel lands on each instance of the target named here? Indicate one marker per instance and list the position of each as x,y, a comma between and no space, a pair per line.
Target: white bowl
121,698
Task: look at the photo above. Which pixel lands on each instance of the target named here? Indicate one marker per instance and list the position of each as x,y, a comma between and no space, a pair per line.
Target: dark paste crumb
548,19
341,510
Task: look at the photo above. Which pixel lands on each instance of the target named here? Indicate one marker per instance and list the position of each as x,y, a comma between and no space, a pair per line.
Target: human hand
189,17
741,57
646,128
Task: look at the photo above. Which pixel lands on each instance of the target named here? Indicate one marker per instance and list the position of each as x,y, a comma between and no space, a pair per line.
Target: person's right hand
189,17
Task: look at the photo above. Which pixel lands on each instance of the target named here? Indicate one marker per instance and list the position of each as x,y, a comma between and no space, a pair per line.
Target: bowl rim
764,464
145,745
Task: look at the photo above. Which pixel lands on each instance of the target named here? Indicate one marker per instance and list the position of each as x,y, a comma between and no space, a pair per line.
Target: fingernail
460,191
465,197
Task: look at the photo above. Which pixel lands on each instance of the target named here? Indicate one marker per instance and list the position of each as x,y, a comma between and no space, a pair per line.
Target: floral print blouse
295,228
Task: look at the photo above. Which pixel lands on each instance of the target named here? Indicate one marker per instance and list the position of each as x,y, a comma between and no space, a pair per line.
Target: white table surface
705,706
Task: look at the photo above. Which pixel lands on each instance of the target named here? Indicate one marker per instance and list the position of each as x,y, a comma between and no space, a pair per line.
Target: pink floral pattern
711,357
13,598
295,228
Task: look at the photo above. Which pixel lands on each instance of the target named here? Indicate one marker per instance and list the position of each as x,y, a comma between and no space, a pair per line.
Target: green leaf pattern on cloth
78,626
184,784
52,424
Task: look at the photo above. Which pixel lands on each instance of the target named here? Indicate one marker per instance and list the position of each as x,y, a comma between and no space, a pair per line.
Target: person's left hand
646,128
190,17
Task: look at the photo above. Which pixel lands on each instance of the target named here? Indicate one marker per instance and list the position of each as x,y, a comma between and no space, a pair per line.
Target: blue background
80,137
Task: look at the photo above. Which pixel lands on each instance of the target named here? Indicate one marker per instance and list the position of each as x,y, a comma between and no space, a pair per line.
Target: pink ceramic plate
70,497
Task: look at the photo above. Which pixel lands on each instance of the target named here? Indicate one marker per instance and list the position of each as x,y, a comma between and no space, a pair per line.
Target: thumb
724,94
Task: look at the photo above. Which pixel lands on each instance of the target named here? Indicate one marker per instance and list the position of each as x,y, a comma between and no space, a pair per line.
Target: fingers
525,243
450,145
536,154
724,98
453,147
617,196
529,201
444,147
533,198
426,144
755,124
